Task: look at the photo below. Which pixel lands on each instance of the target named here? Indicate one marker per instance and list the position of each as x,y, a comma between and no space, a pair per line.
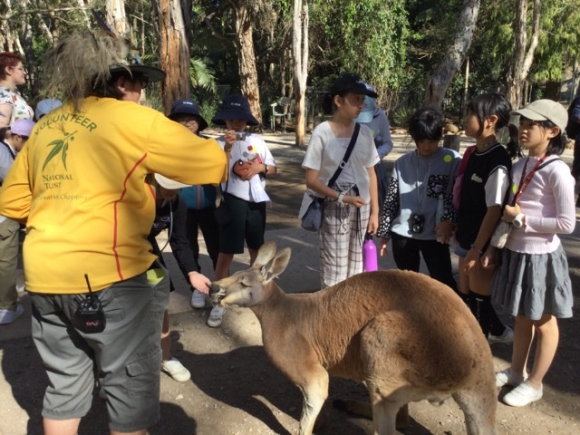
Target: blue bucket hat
235,107
187,107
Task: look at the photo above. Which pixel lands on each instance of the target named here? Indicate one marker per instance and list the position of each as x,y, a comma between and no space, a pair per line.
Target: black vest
473,207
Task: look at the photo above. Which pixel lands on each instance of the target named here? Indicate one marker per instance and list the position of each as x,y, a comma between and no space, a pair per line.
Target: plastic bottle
439,213
369,254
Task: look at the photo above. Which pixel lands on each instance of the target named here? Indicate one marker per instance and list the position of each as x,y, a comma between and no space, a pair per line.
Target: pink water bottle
369,254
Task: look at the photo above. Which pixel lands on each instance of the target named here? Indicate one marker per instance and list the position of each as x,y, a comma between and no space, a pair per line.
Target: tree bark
439,82
523,58
246,57
174,53
300,57
26,33
116,17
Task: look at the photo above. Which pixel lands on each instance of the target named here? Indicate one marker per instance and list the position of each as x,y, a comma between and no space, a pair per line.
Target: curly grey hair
79,66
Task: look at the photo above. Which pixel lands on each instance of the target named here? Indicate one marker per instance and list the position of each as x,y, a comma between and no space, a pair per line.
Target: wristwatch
519,220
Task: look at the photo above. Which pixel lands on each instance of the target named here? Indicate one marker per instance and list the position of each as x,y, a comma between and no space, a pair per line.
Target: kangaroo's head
246,288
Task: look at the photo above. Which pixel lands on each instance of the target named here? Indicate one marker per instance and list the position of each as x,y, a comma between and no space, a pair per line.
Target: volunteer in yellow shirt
80,186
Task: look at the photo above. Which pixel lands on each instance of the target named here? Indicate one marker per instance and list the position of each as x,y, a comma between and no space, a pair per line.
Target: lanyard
525,181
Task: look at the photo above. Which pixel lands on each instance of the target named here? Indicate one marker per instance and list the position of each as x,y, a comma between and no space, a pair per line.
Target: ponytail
513,146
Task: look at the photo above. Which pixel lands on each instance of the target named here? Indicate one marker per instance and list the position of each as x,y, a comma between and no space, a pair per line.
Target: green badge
514,188
447,158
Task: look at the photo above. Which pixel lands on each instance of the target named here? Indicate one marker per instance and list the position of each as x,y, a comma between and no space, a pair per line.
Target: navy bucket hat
187,107
235,107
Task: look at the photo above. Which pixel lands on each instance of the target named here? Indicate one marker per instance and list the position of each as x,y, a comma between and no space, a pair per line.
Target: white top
325,152
548,203
253,190
20,109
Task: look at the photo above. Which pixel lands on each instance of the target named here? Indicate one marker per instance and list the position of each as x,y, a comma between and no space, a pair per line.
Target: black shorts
248,224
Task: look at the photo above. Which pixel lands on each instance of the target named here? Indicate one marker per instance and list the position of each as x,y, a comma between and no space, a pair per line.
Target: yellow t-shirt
79,184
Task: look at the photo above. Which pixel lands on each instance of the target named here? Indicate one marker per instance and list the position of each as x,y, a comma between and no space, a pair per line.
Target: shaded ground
235,390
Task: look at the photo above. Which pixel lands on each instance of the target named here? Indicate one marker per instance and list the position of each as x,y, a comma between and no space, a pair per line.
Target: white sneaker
215,317
197,299
523,395
176,370
507,377
506,337
9,316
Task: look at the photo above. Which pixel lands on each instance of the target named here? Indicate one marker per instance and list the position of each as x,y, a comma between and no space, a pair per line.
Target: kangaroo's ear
265,254
276,266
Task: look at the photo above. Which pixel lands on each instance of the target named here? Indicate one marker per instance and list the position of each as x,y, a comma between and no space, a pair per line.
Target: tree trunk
439,82
522,58
246,58
300,55
29,52
116,17
553,90
174,53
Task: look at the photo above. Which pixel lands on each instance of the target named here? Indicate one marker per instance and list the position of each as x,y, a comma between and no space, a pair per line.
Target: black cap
152,73
350,82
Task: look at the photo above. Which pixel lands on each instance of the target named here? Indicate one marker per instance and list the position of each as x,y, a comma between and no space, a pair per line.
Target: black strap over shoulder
346,155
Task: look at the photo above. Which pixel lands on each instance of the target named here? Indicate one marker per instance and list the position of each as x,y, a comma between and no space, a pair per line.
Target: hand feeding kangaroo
405,335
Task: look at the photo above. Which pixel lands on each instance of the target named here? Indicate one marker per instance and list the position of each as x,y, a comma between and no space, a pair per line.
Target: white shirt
326,151
253,190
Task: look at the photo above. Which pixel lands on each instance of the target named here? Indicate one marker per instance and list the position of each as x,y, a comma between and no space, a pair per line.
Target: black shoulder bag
312,219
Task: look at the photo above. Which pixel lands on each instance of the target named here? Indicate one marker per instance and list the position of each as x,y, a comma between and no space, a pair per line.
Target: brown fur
405,335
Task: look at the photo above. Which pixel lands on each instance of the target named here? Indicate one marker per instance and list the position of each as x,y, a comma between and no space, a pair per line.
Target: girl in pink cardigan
532,281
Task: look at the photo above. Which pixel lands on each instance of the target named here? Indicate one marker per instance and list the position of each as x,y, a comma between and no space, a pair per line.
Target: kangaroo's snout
216,293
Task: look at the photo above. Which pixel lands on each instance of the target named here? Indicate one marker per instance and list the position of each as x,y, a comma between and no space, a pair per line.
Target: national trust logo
60,147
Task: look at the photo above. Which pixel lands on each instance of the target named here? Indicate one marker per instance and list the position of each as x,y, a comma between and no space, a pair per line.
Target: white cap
168,183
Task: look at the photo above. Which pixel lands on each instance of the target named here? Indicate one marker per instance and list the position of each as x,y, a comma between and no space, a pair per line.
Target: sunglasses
20,69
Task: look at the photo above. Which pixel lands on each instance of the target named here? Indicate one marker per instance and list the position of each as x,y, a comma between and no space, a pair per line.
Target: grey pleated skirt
532,285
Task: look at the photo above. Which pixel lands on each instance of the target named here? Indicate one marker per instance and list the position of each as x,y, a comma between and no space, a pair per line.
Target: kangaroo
405,335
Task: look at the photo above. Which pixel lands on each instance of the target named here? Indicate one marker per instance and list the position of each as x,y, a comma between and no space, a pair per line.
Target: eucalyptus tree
367,37
455,56
300,45
173,52
523,54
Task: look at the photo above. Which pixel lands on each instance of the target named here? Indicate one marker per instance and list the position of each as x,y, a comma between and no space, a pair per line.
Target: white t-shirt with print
253,190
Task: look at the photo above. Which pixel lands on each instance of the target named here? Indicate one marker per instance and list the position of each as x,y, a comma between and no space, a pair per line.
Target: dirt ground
235,390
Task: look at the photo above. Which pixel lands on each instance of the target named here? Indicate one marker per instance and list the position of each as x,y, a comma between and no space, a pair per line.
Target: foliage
395,45
366,37
201,75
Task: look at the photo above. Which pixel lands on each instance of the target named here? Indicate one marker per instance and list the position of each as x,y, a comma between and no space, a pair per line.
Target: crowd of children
414,210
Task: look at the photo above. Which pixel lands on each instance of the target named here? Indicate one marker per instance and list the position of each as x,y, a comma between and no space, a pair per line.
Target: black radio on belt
89,316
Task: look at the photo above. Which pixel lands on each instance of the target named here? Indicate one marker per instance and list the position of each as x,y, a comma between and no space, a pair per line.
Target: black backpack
573,126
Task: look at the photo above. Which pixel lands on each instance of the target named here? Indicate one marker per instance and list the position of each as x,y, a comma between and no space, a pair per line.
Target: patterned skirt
533,285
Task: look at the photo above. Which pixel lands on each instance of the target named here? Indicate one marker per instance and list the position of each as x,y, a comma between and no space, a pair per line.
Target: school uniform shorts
125,357
248,224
